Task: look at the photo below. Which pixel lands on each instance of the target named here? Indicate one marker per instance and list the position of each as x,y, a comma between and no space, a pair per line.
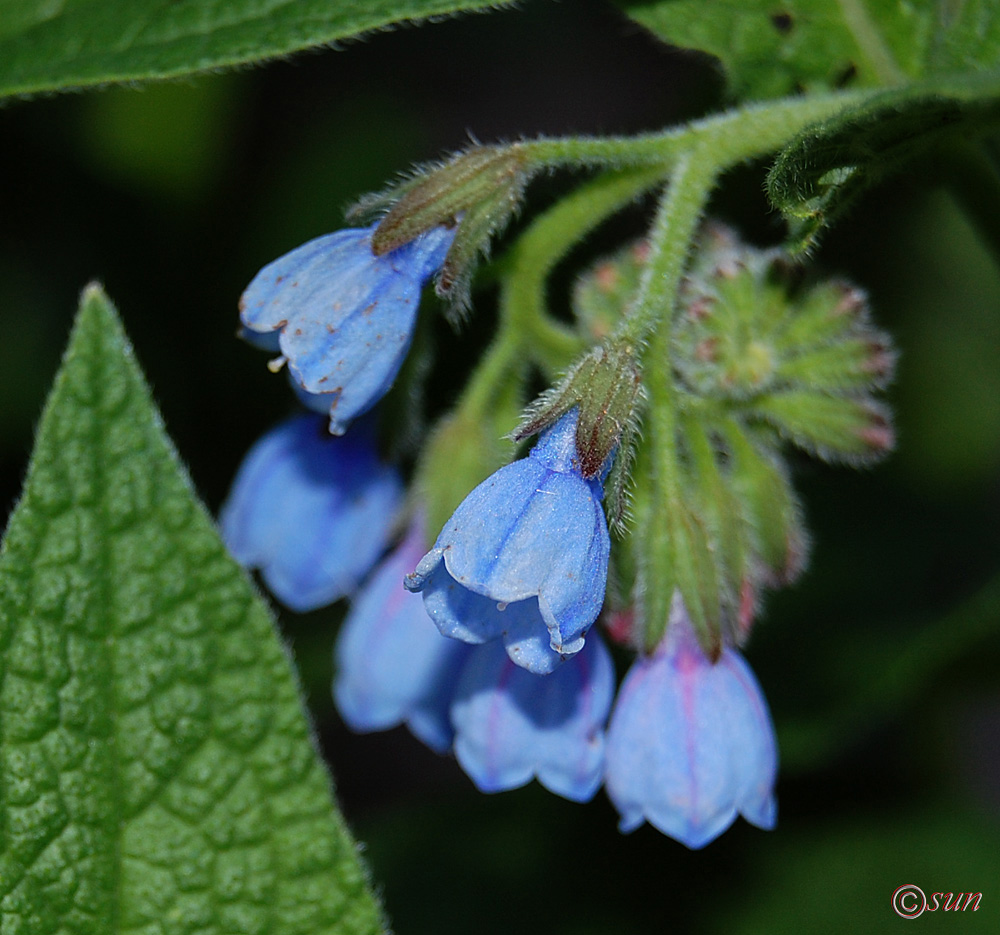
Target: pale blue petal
345,316
312,512
524,557
279,287
530,645
463,615
691,744
512,725
752,741
556,446
456,611
393,667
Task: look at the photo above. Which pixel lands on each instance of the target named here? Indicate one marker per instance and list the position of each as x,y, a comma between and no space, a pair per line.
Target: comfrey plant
681,414
555,552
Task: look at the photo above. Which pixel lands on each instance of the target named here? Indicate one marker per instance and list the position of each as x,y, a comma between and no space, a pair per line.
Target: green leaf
770,48
49,46
820,174
156,770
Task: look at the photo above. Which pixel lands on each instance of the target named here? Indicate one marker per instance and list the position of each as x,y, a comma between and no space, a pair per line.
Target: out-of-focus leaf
818,175
48,45
156,769
769,48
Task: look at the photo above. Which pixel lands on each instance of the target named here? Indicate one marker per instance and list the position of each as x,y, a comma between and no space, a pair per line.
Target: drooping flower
508,725
690,743
524,558
343,317
393,666
312,512
512,725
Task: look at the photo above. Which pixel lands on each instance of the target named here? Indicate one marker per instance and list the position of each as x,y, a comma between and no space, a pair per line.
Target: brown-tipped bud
878,434
853,301
605,385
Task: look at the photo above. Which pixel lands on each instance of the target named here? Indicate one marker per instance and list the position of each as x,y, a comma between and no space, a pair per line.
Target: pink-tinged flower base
690,744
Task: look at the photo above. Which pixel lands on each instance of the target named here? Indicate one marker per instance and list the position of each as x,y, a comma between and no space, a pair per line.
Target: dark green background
881,665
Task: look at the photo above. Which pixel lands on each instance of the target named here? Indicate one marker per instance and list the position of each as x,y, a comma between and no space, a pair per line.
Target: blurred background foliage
881,665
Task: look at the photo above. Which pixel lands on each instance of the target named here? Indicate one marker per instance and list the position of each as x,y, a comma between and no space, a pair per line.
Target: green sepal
669,550
723,515
696,577
604,385
761,484
476,191
617,493
834,428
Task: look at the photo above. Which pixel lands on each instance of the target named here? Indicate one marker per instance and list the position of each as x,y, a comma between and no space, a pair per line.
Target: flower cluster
689,746
505,724
311,512
492,650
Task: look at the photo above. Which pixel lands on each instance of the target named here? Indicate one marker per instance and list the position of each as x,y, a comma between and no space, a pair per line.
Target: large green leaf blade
48,46
769,48
156,769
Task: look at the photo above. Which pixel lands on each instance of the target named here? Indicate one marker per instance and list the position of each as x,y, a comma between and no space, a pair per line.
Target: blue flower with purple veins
524,558
393,667
690,743
512,725
311,511
341,316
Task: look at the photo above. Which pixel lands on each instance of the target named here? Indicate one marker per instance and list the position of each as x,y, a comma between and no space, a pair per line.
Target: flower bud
691,744
833,428
524,558
677,554
769,508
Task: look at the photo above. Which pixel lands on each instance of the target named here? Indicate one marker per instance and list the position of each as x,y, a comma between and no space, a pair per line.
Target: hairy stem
730,137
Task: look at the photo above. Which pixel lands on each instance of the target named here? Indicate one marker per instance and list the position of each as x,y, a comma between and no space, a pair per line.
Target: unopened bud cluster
802,357
758,357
